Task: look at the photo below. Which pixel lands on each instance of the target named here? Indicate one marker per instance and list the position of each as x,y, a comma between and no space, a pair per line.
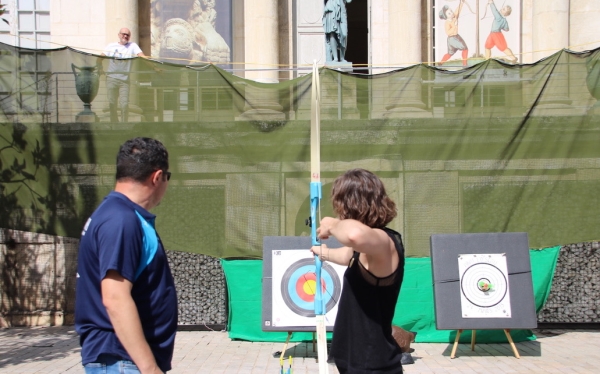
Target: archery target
294,288
484,288
299,287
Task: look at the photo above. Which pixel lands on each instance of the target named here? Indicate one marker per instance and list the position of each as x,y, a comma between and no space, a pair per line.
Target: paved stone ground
56,350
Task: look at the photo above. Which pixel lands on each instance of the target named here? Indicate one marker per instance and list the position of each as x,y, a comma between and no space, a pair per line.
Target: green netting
492,148
415,310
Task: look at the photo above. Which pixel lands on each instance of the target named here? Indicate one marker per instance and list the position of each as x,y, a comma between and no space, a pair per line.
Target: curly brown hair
360,195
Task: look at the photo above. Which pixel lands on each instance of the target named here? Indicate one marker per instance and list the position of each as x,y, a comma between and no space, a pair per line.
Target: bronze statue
335,23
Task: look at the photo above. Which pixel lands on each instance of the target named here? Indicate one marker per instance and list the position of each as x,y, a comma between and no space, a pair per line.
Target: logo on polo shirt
87,224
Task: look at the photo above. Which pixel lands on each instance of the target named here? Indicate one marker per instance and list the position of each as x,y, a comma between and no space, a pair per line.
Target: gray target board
288,284
482,281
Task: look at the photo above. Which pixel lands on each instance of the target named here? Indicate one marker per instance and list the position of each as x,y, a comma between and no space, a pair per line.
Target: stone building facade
270,34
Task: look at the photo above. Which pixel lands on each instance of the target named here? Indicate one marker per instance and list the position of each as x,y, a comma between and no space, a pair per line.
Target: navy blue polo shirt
120,236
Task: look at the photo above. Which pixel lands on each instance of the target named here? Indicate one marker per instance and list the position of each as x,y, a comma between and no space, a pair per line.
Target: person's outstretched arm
457,13
354,234
340,256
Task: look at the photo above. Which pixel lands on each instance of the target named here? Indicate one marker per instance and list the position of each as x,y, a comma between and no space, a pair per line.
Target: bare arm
378,253
459,8
340,256
352,233
123,314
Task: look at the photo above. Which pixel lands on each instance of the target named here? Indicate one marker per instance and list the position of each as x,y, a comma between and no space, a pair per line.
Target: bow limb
465,2
488,5
315,199
468,6
486,9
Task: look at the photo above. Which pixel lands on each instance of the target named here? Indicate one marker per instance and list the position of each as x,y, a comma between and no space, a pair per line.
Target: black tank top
362,335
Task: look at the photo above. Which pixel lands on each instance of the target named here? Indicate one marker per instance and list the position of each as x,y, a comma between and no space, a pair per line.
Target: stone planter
86,82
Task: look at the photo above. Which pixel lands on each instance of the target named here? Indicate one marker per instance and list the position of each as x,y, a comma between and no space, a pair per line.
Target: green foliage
2,11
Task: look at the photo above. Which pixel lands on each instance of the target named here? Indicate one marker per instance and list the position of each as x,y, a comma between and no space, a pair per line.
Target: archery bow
315,198
465,2
488,5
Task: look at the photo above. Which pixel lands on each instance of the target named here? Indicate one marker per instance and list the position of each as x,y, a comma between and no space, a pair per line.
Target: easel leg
455,343
285,346
314,341
473,336
512,344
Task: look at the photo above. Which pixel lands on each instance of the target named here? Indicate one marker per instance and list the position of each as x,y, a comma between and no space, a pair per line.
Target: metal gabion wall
201,288
575,286
202,291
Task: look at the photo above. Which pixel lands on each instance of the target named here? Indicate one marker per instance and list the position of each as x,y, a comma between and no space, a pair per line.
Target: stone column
405,32
550,27
583,14
405,50
122,14
262,39
261,30
550,35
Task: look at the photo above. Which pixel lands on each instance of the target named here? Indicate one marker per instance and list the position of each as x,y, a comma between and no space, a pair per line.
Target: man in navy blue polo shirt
126,305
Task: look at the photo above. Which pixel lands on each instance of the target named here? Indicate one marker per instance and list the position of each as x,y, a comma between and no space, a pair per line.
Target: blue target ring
298,287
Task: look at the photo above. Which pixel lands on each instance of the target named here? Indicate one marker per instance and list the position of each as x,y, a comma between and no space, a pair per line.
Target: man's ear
155,176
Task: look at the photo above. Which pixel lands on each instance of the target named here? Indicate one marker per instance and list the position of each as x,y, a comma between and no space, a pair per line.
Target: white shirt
123,53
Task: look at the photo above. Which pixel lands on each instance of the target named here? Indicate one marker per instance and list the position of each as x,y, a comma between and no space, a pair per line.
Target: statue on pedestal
335,24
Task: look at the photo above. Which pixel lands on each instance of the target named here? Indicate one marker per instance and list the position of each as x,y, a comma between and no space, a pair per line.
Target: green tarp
415,310
491,148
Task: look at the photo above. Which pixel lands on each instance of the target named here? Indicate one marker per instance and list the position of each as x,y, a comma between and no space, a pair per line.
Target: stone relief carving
189,34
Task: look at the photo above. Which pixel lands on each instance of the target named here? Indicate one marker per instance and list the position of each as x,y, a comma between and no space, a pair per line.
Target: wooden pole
512,344
452,355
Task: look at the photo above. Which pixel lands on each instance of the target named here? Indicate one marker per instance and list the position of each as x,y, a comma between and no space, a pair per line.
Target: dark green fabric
414,311
491,148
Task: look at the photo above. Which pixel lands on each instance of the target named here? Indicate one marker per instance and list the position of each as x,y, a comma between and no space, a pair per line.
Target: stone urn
593,82
87,81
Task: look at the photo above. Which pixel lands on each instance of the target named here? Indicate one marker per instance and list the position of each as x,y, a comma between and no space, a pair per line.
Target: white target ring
484,285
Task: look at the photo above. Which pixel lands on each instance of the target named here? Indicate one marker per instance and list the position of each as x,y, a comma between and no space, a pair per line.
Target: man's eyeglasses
165,173
127,35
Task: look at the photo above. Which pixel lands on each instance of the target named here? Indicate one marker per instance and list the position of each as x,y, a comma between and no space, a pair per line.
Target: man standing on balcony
117,75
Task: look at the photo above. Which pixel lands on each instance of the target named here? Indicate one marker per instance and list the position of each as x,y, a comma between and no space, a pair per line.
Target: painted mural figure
455,41
335,24
190,32
496,37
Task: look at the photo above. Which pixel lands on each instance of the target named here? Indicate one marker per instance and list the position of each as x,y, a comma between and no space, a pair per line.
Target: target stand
289,285
482,282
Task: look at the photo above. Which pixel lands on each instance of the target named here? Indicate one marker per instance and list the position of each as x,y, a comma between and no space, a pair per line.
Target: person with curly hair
362,334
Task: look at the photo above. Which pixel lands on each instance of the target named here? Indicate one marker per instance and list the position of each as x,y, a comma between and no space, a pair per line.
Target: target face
294,288
298,287
484,286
